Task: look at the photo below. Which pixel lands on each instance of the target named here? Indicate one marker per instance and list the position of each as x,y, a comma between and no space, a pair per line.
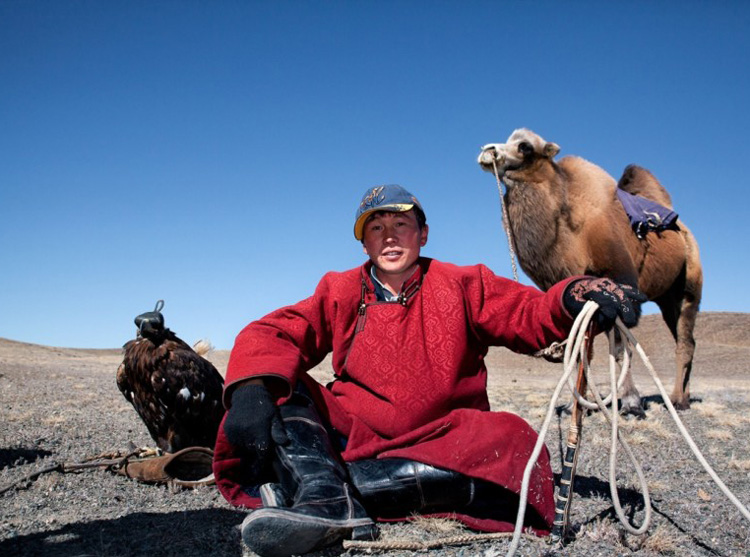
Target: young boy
406,424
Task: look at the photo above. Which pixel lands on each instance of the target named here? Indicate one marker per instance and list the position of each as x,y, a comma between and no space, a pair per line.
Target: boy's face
393,241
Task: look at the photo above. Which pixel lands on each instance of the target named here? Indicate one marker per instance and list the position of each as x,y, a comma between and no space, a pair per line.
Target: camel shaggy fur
565,219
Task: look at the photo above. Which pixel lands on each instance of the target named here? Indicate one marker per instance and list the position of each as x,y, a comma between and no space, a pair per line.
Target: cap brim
394,208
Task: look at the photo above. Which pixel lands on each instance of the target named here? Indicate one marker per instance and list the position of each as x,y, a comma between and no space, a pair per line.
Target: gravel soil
61,405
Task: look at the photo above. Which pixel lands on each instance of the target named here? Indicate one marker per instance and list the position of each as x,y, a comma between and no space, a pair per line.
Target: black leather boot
397,487
313,505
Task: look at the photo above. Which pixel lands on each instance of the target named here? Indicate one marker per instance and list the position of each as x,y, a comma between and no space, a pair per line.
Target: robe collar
408,289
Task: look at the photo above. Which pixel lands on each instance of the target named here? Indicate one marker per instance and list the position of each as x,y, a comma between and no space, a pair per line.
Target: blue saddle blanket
646,215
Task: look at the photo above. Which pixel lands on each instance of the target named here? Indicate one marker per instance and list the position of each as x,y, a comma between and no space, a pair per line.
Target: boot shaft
313,505
397,487
307,466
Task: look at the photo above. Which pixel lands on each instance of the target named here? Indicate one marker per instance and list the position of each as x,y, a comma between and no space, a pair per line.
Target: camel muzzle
490,155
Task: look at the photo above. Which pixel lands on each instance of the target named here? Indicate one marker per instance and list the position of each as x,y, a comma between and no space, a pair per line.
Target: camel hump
639,181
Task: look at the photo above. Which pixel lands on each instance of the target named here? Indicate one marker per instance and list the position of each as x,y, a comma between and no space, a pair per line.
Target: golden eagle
175,391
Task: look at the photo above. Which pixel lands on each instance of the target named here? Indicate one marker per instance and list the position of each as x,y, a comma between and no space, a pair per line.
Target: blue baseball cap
390,197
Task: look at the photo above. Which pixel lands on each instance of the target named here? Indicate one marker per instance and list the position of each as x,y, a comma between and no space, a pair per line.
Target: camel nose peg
489,152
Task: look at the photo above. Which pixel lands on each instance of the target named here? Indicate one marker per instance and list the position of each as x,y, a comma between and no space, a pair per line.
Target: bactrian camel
566,219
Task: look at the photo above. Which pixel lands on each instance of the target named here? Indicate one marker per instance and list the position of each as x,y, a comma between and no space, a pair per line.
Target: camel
565,219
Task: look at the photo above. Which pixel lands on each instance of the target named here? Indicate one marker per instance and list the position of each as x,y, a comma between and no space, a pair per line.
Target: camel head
523,149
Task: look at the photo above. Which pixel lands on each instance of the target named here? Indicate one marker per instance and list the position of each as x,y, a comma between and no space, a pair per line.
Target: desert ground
61,405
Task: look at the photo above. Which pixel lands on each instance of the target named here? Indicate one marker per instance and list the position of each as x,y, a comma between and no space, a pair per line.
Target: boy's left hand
614,300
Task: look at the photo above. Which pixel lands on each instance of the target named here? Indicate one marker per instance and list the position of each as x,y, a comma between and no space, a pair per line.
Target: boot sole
273,532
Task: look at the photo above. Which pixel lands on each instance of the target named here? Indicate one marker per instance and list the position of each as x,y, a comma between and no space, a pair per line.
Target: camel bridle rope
556,348
576,355
506,221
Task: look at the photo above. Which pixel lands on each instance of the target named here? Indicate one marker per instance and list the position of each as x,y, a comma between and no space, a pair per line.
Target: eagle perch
175,391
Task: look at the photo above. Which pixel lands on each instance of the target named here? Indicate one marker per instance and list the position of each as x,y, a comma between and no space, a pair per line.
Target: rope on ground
683,429
575,346
612,418
112,459
413,545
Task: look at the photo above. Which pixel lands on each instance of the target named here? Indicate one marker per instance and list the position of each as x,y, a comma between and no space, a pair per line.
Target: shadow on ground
20,455
203,532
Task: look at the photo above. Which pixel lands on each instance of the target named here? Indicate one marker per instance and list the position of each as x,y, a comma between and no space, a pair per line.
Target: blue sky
212,154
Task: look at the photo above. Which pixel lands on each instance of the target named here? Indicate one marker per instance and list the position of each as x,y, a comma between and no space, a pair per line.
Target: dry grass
54,420
18,417
657,485
731,419
438,526
602,531
739,464
653,427
719,434
664,541
710,409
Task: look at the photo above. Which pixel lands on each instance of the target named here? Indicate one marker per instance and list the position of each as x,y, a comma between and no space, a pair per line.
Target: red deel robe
410,378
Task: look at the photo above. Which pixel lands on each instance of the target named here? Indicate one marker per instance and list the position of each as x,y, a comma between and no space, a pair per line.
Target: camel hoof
633,408
681,404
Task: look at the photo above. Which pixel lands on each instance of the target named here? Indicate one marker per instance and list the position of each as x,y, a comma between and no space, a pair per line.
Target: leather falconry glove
253,424
614,299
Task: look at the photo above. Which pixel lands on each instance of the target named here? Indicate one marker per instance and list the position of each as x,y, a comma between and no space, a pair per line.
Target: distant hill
722,338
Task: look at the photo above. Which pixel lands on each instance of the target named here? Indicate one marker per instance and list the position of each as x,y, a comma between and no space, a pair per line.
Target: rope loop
575,350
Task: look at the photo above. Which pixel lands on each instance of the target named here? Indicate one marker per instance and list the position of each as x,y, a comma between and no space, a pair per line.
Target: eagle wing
191,388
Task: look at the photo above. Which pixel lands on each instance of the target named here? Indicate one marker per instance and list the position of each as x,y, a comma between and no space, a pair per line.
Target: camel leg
680,396
630,398
680,313
685,347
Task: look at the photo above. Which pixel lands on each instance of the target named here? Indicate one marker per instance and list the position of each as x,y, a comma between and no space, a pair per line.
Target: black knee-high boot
313,505
391,487
398,487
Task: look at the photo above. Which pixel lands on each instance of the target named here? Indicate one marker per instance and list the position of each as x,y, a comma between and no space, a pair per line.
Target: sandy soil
61,405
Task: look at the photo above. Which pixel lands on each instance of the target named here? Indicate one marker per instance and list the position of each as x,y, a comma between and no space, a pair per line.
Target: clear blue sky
212,154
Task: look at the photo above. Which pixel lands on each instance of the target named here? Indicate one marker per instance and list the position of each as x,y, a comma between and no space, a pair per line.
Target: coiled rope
575,352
